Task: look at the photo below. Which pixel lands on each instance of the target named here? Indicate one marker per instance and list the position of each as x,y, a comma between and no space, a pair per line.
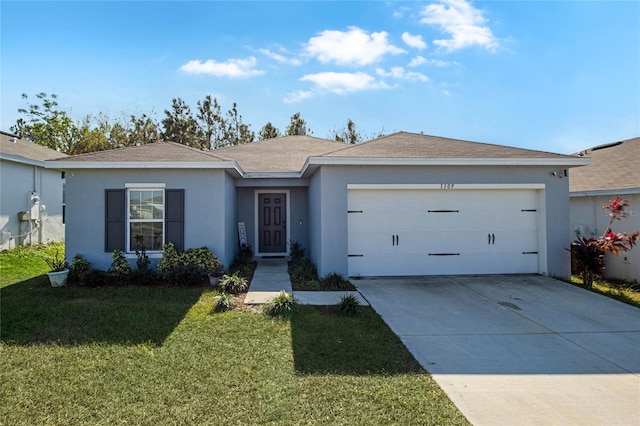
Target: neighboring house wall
328,204
588,215
207,222
17,180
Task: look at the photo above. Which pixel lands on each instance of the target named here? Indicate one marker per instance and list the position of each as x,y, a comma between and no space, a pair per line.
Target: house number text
447,185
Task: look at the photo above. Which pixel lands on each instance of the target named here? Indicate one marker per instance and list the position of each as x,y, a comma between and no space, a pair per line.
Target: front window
146,218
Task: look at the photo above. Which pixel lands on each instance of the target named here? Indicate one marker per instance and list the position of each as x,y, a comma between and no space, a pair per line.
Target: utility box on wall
24,216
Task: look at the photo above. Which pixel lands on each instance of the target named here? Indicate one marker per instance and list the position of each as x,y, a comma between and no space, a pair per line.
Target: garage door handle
394,240
491,238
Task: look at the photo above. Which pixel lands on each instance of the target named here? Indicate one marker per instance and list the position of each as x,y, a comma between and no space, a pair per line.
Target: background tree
297,126
348,134
268,131
46,124
237,132
211,122
179,125
143,129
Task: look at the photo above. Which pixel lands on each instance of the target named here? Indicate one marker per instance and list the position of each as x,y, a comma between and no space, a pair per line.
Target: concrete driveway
518,350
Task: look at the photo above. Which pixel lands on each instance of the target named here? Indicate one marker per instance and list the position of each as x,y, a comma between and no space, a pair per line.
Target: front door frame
257,218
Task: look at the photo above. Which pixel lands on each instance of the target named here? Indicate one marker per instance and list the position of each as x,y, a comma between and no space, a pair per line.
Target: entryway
272,226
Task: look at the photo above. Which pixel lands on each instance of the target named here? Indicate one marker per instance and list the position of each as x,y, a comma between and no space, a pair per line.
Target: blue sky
554,76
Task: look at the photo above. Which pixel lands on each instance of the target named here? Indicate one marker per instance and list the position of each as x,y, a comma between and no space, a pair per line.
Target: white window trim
130,251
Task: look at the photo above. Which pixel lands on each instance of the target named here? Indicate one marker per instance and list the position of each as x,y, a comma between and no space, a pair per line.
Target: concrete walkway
271,277
519,350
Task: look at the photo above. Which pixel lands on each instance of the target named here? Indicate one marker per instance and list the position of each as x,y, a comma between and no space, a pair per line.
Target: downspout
40,214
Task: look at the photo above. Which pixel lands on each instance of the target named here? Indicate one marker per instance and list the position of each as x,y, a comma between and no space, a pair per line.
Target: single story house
31,204
614,172
400,205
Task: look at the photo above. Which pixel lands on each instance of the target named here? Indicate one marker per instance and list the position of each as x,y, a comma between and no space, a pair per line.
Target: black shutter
174,217
114,219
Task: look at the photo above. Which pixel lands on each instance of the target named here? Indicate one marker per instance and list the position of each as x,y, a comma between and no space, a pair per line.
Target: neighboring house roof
292,156
614,167
13,148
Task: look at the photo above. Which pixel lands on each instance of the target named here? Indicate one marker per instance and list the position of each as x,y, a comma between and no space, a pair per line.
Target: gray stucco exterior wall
328,204
207,220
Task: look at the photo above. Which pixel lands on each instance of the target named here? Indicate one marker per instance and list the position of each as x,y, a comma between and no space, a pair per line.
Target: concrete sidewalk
271,277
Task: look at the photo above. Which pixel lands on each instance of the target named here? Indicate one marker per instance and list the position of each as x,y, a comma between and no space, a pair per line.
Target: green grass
159,355
616,290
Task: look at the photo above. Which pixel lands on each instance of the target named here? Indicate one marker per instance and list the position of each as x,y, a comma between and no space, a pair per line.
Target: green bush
98,278
296,251
189,267
120,270
283,305
234,283
222,302
348,305
303,271
79,270
335,281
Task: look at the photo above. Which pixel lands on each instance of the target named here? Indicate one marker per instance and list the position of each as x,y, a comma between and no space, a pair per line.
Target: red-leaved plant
589,252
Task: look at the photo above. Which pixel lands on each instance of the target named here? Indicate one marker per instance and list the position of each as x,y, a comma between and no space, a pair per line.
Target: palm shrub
335,281
234,283
589,253
281,306
296,251
222,302
348,305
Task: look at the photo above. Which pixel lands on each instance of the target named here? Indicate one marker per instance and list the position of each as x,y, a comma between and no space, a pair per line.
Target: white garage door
427,230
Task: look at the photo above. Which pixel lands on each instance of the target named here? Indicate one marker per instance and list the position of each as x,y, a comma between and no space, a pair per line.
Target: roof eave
602,192
368,161
22,160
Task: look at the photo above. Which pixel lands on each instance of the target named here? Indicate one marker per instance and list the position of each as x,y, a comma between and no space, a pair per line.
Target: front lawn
619,290
158,355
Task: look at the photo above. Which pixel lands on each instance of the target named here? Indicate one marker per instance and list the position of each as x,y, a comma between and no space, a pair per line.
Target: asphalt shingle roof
149,153
12,145
414,145
613,166
289,153
283,154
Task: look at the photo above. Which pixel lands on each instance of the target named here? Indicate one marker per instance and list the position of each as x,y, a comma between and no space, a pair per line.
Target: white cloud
232,68
401,74
343,82
297,96
462,21
280,58
414,41
353,47
420,60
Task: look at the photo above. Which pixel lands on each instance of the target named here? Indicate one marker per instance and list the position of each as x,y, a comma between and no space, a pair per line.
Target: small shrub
303,271
282,305
314,284
120,268
335,281
97,278
296,251
79,270
143,276
222,302
348,305
189,267
234,283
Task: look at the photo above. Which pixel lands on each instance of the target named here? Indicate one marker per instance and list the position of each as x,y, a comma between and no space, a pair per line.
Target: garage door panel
432,232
